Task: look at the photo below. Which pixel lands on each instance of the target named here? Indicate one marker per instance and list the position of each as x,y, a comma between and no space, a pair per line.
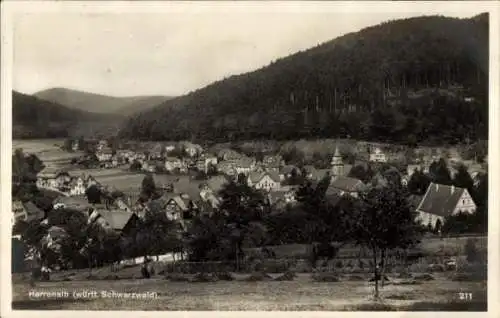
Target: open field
37,145
300,294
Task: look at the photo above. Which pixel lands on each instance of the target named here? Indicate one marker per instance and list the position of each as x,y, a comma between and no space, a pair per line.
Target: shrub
339,264
424,277
203,277
176,278
325,277
288,276
224,276
471,250
258,277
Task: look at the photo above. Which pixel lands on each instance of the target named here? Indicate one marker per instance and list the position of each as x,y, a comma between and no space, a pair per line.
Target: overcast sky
168,53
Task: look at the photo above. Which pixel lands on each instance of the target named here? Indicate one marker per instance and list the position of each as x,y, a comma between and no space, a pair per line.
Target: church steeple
337,164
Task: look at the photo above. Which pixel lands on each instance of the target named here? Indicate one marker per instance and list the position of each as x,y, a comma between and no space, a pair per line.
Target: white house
104,154
172,163
378,156
77,186
267,181
441,200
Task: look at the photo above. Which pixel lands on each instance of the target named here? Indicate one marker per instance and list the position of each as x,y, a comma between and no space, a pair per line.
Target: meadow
300,294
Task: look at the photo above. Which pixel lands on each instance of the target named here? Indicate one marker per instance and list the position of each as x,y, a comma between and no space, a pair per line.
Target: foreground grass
301,294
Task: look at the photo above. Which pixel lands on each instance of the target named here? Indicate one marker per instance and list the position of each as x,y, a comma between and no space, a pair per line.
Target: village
190,177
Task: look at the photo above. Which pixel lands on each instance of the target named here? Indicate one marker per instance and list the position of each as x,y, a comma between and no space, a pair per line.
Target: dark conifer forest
419,80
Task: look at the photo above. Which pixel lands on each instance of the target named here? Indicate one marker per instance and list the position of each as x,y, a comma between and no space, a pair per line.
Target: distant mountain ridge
99,103
400,80
33,117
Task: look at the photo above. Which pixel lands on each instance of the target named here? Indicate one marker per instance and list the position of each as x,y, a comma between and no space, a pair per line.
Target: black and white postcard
249,156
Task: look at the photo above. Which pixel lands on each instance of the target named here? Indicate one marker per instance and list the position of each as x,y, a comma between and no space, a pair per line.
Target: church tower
337,168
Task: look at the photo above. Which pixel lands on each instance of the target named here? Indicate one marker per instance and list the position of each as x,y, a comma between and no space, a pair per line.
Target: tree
148,186
383,220
68,145
459,223
418,183
241,205
463,179
440,173
135,166
93,194
158,234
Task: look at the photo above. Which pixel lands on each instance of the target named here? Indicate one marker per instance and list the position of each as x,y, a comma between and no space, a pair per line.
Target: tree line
376,84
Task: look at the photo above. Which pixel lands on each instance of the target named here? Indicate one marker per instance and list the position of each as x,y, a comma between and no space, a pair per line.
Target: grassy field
300,294
37,145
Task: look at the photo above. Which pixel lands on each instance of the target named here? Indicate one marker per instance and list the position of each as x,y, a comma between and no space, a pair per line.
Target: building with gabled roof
346,185
113,219
440,201
267,181
26,211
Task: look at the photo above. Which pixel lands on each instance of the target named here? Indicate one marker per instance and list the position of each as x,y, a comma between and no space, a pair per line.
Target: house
191,149
345,185
149,166
75,145
266,181
285,196
377,155
26,211
205,162
77,186
47,178
244,165
228,154
63,180
309,171
273,160
102,144
122,205
174,163
440,201
104,154
169,147
116,220
209,191
156,152
177,207
227,168
286,172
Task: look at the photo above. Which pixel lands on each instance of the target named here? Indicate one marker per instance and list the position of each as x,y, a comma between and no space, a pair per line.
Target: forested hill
33,117
417,79
98,103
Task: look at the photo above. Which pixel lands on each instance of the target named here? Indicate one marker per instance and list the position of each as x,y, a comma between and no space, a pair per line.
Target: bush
176,278
325,277
288,276
471,250
354,278
339,264
424,277
258,277
203,277
224,276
